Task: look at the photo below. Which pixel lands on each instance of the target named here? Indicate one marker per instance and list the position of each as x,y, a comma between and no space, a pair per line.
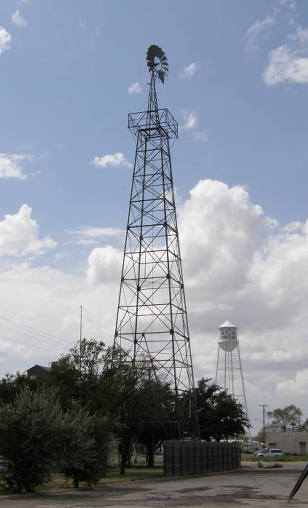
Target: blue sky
64,99
238,86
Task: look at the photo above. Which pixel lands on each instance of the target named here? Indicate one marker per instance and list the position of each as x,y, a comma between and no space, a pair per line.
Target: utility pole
80,338
263,420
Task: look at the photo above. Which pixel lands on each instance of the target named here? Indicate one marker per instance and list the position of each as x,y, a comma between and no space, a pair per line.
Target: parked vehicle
262,450
270,452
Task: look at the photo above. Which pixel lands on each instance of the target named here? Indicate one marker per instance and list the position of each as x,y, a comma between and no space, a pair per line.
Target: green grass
134,473
284,458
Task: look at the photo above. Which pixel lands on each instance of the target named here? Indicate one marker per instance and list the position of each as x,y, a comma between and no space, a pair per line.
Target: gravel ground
250,487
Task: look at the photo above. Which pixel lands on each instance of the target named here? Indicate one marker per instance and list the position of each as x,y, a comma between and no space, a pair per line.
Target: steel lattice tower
151,322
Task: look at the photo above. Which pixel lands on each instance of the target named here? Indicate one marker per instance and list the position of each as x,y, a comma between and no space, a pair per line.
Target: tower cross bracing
151,324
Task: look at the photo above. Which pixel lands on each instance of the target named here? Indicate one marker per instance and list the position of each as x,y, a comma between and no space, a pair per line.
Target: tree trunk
124,449
150,454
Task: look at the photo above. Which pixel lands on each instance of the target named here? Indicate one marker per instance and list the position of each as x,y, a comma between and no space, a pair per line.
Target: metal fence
194,457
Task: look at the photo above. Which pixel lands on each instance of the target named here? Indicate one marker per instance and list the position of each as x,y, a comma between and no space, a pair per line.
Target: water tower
229,372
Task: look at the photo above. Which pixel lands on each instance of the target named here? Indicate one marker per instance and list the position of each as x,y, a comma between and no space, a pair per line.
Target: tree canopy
285,420
220,415
88,395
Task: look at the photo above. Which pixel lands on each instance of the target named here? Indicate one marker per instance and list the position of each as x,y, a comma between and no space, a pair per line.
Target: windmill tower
229,372
151,323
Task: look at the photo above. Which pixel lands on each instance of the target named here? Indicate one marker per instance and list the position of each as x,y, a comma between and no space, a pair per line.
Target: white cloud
87,241
296,386
19,235
218,225
115,159
5,40
289,7
18,19
238,264
104,265
189,71
289,62
134,88
190,121
201,135
39,317
255,31
95,232
10,165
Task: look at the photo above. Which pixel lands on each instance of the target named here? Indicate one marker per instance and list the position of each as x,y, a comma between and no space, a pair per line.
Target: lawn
134,473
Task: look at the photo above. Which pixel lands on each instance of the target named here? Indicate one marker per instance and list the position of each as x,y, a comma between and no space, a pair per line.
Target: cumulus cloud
190,121
189,71
255,31
19,235
104,265
296,386
18,19
113,160
40,312
11,165
219,225
238,264
134,88
241,265
5,40
289,62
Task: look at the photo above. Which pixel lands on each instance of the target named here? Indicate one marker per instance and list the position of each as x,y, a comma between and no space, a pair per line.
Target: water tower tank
228,336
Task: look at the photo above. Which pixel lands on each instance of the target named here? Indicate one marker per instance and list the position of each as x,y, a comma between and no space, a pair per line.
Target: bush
85,447
30,432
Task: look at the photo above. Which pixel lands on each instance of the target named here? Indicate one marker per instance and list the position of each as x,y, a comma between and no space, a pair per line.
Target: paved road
250,487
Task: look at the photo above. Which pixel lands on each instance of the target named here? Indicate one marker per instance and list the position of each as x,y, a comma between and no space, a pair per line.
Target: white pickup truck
270,452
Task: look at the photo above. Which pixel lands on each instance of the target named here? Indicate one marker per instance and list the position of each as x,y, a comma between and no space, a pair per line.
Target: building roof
42,367
227,324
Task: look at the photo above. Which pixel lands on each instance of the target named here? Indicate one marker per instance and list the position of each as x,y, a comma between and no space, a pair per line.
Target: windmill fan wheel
157,62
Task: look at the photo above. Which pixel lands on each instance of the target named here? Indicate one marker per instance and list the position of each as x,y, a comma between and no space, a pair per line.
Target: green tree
77,374
94,375
147,417
286,419
12,384
101,380
85,447
220,415
30,431
157,421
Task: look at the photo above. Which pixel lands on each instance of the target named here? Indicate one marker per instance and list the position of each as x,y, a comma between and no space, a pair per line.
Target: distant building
288,442
37,371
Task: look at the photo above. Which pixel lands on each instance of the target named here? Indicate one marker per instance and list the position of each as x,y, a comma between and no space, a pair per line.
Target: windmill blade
161,76
300,480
